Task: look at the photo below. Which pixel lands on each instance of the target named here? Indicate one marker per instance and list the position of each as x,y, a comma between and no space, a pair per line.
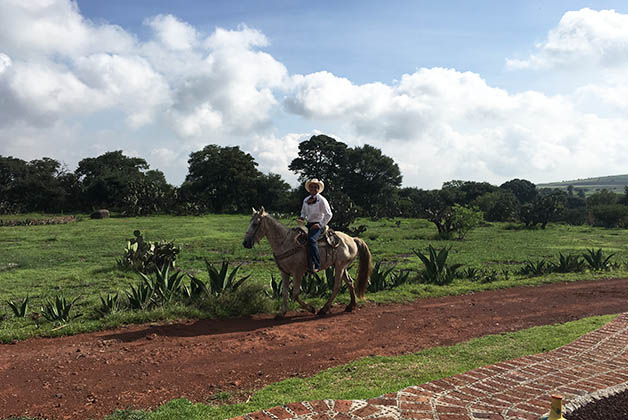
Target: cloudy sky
483,91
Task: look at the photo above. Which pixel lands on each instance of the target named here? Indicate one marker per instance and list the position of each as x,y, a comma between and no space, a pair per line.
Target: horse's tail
364,269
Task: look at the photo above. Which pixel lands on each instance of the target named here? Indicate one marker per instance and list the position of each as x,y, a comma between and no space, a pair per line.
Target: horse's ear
254,211
262,210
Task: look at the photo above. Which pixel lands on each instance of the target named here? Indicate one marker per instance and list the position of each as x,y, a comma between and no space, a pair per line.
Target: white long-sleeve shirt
319,212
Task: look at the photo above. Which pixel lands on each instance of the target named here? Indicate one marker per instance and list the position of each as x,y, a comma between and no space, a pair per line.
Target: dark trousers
312,245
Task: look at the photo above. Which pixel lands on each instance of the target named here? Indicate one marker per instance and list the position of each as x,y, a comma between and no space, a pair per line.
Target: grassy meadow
79,260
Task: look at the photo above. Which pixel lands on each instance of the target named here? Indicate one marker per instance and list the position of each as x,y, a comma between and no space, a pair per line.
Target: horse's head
255,232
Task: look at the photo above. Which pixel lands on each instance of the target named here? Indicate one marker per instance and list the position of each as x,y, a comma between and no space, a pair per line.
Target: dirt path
91,375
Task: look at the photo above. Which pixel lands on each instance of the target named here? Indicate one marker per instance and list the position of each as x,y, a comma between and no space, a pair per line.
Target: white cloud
69,81
582,38
173,33
440,124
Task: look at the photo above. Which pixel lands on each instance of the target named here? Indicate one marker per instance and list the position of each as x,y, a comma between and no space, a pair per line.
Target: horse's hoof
349,309
321,313
279,317
312,310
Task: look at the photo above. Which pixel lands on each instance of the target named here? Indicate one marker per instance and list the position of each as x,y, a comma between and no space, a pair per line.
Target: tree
31,186
273,193
465,219
437,208
465,192
107,179
498,206
545,208
12,170
610,215
524,190
371,180
602,197
224,179
321,157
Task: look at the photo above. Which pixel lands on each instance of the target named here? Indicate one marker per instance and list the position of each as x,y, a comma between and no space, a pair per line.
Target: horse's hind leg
337,282
295,294
349,282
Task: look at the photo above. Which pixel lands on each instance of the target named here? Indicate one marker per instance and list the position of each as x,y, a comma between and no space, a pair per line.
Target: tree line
360,181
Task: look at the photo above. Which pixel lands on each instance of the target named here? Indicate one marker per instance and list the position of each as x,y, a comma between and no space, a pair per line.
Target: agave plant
222,281
275,288
437,271
313,285
596,259
165,286
568,263
379,277
19,309
471,273
398,278
59,309
197,290
535,268
140,297
108,305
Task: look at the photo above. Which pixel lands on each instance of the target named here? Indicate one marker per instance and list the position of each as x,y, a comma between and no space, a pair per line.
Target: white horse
291,259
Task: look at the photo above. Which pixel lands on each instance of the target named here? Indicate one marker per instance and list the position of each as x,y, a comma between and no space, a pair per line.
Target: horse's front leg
285,283
337,283
295,293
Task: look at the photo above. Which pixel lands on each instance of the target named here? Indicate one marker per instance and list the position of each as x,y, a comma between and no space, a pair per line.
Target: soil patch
144,366
610,408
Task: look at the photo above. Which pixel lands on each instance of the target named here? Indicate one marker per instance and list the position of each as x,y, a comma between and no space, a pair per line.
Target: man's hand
316,226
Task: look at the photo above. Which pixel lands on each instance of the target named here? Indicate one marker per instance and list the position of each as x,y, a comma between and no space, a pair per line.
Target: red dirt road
143,366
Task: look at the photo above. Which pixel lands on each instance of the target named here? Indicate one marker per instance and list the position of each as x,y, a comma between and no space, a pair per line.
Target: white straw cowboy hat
321,185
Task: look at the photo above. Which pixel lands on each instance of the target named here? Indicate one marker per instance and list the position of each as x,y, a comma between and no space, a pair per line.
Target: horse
291,259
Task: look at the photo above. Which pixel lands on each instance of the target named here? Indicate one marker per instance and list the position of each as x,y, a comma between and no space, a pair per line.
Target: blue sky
484,91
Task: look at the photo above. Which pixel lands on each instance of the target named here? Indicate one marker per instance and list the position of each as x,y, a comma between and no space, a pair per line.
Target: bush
465,219
247,300
145,256
610,215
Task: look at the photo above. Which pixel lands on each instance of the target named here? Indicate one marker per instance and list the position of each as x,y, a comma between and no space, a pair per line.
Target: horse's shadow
214,327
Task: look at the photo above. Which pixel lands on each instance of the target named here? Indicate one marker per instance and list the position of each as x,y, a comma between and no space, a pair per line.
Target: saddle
328,237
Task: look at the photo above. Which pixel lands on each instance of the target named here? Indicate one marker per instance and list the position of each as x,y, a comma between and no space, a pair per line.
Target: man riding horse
316,213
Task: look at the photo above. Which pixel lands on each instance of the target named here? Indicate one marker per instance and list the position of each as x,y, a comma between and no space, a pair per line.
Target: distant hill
615,183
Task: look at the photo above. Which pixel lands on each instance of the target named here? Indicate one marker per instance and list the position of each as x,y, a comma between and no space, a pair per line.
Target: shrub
465,219
145,256
247,300
610,215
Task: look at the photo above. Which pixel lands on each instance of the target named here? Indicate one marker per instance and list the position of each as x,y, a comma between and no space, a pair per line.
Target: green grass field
79,259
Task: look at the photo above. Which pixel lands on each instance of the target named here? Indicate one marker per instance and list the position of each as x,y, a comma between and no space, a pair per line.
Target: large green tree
324,158
108,179
31,186
363,176
223,179
371,180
